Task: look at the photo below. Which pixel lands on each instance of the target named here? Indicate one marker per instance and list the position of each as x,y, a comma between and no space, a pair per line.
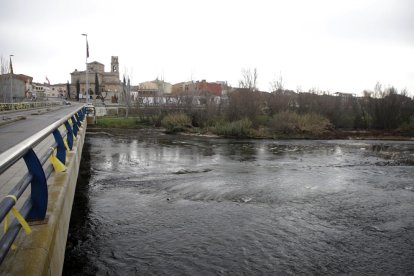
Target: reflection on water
190,206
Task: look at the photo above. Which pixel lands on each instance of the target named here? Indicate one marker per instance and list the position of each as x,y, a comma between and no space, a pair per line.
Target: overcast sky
345,45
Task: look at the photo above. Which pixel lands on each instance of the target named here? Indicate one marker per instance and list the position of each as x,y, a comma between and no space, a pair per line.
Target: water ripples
222,207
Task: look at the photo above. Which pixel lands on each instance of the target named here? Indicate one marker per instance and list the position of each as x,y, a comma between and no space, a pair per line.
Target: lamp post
87,55
11,79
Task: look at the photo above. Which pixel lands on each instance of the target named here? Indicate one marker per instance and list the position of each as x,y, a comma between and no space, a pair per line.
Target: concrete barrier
7,107
43,251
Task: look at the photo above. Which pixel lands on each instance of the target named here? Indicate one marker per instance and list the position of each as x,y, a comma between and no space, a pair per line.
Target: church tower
114,65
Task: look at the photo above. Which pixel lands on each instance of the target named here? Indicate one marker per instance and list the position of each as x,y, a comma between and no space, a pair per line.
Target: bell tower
114,65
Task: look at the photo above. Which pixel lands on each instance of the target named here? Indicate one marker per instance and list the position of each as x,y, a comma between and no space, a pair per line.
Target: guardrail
35,207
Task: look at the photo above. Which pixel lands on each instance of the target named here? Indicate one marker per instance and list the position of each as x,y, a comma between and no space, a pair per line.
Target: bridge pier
42,253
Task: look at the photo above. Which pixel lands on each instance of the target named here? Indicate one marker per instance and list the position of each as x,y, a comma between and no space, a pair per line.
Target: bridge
39,161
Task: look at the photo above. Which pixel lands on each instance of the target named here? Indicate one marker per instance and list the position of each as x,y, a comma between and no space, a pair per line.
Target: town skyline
345,46
271,85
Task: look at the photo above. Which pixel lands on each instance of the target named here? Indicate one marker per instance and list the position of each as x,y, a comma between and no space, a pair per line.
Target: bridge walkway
42,252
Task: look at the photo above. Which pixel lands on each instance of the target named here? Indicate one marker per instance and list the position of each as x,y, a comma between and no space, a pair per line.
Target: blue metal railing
35,207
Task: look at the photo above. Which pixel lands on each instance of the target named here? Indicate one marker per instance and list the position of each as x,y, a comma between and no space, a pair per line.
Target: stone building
109,83
47,91
212,88
59,89
181,87
198,88
14,87
39,91
154,88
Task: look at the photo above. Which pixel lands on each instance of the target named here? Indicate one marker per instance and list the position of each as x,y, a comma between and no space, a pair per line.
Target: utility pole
87,55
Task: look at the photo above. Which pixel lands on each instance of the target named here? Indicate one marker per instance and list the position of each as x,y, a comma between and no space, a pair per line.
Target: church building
109,83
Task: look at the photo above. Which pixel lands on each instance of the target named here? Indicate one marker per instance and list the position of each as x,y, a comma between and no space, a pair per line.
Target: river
153,204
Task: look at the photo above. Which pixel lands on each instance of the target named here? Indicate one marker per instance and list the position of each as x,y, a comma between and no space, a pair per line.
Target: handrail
35,207
9,157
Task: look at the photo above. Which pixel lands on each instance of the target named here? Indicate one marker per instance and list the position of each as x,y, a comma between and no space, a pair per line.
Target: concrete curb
12,120
57,104
40,111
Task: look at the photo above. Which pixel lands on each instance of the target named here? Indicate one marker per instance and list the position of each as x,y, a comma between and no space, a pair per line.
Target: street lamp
11,79
86,71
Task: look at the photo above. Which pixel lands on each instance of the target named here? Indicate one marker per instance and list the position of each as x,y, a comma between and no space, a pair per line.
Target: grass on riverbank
120,122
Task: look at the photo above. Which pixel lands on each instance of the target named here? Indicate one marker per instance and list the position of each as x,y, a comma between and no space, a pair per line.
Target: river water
153,204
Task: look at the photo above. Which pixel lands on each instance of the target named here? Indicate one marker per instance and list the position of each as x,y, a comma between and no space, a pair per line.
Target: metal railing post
78,120
80,115
75,126
69,135
39,195
61,150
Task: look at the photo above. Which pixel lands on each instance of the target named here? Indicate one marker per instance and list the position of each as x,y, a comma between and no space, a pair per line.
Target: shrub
285,122
151,120
240,128
175,122
408,127
291,122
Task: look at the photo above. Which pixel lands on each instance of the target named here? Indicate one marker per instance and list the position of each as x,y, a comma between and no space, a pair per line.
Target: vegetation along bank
283,114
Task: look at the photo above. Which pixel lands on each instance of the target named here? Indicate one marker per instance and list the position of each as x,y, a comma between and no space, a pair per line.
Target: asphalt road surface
16,132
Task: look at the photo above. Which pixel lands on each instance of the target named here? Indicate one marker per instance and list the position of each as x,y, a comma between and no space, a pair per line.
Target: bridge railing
35,206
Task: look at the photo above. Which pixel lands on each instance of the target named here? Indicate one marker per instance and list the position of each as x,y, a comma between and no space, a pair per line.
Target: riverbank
329,135
368,135
243,129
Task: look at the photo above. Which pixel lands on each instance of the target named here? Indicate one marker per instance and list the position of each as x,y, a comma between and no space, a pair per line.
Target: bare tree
404,92
249,79
161,85
126,93
245,103
277,85
104,94
367,93
378,91
4,69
